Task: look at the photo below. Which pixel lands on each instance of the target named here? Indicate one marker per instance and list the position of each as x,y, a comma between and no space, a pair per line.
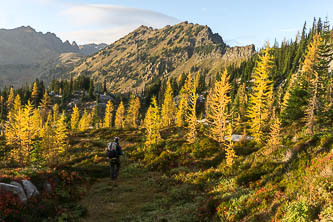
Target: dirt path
121,200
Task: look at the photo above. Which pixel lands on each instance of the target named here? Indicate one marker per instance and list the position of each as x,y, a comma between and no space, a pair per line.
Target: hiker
113,152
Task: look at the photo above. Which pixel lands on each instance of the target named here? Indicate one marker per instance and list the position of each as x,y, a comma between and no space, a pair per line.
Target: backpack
112,150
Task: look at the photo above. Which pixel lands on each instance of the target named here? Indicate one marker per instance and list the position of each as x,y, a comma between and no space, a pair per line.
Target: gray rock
17,190
22,195
30,189
237,137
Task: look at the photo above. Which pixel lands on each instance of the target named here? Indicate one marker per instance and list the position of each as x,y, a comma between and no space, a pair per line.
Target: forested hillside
254,143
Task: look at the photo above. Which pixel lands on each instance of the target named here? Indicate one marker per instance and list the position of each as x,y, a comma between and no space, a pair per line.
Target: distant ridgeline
26,55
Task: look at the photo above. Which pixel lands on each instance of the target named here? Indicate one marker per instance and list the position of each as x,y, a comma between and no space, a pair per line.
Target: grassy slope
139,194
183,182
190,182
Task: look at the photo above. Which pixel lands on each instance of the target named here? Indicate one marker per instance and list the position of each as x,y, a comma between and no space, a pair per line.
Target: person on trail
114,152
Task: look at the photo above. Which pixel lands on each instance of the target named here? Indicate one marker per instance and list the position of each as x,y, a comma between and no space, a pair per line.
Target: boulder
17,190
22,195
237,137
30,189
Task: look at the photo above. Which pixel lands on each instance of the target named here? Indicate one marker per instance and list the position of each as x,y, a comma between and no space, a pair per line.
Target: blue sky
239,22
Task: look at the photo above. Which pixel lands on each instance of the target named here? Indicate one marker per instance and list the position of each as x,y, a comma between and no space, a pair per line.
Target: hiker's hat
116,138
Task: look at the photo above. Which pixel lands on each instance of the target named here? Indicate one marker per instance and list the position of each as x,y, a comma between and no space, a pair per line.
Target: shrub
326,214
298,211
255,173
205,147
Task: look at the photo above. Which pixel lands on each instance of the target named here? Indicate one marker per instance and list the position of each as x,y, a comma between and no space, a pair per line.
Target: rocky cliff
145,54
26,54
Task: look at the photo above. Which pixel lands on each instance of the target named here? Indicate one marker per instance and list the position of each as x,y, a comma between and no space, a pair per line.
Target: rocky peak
146,54
74,44
26,29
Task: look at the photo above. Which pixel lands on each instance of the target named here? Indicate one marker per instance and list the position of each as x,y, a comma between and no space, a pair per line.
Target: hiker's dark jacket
119,151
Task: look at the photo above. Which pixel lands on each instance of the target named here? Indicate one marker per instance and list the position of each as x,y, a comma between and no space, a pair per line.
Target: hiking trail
124,199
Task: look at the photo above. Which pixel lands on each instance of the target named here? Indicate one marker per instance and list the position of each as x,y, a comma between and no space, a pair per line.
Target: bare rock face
21,194
17,190
239,52
30,189
26,54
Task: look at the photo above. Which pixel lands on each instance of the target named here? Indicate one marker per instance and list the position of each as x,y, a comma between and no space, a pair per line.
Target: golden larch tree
21,131
108,115
230,153
168,107
84,122
61,134
17,103
120,116
286,96
55,113
311,58
258,102
34,94
10,99
133,111
75,117
180,114
274,141
152,124
218,113
310,77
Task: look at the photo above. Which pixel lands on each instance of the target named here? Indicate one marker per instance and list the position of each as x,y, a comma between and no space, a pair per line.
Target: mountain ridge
26,54
135,60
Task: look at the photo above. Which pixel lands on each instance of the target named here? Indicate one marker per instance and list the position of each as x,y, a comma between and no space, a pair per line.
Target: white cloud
107,23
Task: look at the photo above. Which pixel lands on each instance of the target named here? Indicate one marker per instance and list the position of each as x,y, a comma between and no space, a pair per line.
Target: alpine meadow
163,123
